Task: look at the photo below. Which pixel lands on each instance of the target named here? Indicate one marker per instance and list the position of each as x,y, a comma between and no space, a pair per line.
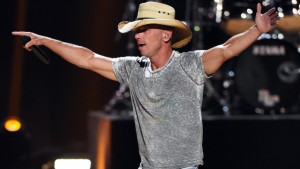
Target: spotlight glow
12,124
72,164
197,28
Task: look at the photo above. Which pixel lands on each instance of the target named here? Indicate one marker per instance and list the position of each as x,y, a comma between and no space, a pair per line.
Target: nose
137,35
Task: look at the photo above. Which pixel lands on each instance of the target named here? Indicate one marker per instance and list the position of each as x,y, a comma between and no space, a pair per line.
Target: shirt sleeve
123,67
191,63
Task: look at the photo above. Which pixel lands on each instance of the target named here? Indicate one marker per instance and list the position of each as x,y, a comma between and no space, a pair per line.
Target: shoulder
190,57
189,54
191,63
128,60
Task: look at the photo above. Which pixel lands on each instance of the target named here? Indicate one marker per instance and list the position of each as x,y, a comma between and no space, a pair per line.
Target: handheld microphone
142,61
38,52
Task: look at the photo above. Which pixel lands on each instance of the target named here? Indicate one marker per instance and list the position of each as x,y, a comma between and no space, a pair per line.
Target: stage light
219,7
295,11
243,15
197,28
266,3
72,164
226,13
280,12
249,11
12,124
280,36
274,36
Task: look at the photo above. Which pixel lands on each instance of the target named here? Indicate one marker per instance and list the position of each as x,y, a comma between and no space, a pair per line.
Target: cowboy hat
160,14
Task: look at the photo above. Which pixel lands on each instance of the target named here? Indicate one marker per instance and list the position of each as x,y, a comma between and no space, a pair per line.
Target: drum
265,78
236,16
289,12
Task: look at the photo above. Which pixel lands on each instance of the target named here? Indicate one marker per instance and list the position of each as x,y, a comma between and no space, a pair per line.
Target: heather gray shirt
167,105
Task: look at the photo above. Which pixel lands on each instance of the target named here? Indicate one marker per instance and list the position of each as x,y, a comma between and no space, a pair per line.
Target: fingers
266,21
258,8
18,33
271,11
23,33
274,18
274,15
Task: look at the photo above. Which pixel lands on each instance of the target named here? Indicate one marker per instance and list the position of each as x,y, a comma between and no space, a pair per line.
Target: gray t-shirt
167,105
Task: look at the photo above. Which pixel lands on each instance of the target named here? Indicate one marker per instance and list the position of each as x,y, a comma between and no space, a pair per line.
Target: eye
141,29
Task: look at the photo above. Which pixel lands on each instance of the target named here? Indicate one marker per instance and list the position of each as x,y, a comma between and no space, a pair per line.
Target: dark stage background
55,100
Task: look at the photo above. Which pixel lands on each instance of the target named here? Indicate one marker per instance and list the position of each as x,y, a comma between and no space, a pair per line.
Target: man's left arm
214,58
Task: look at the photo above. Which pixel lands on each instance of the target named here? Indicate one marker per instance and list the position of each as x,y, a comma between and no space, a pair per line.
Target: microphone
142,61
38,52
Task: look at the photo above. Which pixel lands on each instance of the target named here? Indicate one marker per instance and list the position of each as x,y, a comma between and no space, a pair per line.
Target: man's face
149,39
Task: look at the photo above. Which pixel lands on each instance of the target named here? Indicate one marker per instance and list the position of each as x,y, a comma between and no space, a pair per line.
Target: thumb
258,8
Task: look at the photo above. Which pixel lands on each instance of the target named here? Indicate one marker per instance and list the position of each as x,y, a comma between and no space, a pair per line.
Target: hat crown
160,14
155,10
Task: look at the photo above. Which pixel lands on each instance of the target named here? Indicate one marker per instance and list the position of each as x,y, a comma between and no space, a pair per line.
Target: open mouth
141,45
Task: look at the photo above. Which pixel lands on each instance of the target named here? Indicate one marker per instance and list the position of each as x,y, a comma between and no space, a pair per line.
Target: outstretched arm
214,58
77,55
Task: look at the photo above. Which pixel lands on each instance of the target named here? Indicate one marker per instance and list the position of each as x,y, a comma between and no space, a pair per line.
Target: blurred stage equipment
72,163
120,103
237,16
112,141
289,12
264,79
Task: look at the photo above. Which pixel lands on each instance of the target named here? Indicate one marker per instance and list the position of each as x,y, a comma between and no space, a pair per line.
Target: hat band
145,18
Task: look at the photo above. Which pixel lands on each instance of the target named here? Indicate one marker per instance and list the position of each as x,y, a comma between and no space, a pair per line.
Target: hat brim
181,33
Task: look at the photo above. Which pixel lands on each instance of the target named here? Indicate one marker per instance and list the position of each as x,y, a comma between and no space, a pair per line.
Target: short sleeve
191,63
123,67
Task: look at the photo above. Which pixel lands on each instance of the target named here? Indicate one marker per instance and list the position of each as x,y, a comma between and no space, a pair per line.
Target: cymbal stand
222,102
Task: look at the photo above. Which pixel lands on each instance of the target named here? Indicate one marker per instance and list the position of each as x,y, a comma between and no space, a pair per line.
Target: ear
167,36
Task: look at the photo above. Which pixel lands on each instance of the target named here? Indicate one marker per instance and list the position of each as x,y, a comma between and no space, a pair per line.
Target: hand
267,21
35,38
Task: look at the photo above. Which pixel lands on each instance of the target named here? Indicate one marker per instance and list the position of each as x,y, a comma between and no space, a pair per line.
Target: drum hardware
297,42
288,72
120,104
223,103
289,13
237,16
202,14
263,80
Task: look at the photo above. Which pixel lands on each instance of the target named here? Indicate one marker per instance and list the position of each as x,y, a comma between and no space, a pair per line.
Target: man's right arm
77,55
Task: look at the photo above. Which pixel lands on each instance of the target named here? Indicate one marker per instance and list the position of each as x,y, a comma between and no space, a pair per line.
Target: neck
160,59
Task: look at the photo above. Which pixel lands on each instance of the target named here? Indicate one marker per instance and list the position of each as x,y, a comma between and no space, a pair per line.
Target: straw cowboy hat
160,14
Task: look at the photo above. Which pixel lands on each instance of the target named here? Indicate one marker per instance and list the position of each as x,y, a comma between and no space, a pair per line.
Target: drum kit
264,79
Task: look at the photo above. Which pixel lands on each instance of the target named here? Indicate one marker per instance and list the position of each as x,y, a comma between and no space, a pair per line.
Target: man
166,86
